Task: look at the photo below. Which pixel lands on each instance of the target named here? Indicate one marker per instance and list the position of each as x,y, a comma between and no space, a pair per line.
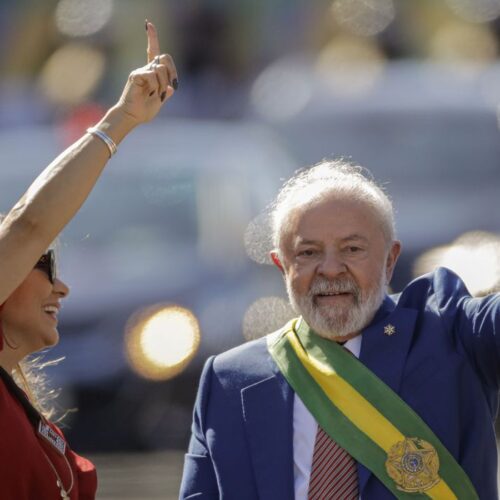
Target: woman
35,461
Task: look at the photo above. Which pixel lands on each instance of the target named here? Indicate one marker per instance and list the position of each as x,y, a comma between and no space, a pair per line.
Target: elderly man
364,395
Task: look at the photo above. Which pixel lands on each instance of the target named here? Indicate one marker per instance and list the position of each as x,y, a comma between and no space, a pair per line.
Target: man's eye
306,253
354,249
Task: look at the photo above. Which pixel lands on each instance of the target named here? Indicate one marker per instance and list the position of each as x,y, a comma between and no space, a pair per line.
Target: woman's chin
48,339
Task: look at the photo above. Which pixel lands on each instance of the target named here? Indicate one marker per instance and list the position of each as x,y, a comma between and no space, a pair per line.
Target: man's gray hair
331,178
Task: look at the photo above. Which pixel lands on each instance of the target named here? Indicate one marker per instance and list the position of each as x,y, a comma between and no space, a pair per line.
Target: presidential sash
366,417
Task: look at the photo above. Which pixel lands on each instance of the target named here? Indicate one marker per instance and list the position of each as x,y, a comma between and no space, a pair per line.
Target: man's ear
392,258
276,260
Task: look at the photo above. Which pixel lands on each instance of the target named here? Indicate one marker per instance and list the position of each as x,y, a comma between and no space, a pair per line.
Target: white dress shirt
305,429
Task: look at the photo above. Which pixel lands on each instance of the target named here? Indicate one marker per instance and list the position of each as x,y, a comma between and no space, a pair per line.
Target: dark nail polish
175,83
163,95
146,24
151,93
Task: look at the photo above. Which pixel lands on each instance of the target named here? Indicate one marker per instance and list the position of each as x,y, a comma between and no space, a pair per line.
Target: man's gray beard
333,321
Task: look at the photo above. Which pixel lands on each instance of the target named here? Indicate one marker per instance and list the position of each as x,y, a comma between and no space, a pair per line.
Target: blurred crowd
53,53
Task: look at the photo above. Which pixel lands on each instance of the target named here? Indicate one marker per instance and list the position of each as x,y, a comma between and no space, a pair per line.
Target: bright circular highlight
83,17
281,91
266,315
62,79
350,66
161,340
474,256
476,11
364,17
457,42
258,239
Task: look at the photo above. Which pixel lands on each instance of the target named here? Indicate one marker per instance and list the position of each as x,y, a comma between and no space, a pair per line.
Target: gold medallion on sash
413,465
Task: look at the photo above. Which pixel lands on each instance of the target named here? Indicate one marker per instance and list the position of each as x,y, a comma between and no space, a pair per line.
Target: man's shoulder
439,286
245,364
245,358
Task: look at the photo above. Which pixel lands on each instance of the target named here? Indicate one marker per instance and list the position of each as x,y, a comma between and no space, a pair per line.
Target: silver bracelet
105,138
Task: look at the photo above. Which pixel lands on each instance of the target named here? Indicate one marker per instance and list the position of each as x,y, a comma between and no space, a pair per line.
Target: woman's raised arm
59,191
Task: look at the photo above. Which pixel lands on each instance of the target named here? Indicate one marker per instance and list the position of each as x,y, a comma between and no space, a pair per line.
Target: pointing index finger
153,42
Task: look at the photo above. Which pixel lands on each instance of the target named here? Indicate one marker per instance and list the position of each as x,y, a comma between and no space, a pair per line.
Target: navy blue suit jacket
443,361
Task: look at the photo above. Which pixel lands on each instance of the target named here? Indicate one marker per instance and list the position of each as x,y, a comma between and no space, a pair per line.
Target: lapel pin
389,330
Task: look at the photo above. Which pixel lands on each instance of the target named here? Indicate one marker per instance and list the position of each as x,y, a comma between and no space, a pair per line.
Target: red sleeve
84,471
87,477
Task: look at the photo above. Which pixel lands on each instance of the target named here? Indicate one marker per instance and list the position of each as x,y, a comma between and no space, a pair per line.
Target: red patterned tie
334,474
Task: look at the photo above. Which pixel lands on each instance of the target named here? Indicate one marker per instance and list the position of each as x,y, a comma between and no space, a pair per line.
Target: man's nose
331,265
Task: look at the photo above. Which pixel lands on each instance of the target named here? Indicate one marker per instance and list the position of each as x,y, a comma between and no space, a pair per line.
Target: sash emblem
413,464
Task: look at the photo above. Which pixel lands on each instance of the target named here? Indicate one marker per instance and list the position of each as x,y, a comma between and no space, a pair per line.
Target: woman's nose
61,288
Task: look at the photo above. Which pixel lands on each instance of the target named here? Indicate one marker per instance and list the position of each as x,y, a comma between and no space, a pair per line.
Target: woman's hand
149,87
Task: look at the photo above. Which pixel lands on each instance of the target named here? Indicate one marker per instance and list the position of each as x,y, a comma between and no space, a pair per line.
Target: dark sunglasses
47,264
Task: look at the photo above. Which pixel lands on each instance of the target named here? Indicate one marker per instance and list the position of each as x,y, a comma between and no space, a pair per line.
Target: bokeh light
72,73
266,315
281,91
474,256
477,11
363,17
459,42
82,17
258,239
161,340
350,65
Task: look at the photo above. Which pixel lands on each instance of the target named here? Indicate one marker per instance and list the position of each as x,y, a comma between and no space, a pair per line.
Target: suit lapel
268,416
384,349
385,345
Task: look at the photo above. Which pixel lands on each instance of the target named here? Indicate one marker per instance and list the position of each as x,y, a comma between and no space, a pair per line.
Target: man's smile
332,298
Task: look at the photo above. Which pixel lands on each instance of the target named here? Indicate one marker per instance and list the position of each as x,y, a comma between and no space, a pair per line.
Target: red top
25,472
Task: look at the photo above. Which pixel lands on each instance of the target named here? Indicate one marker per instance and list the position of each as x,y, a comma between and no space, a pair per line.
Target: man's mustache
321,286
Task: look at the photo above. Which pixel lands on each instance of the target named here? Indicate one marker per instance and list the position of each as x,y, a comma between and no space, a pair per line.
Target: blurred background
168,261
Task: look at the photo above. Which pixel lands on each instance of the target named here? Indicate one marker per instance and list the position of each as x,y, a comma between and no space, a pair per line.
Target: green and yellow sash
366,417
